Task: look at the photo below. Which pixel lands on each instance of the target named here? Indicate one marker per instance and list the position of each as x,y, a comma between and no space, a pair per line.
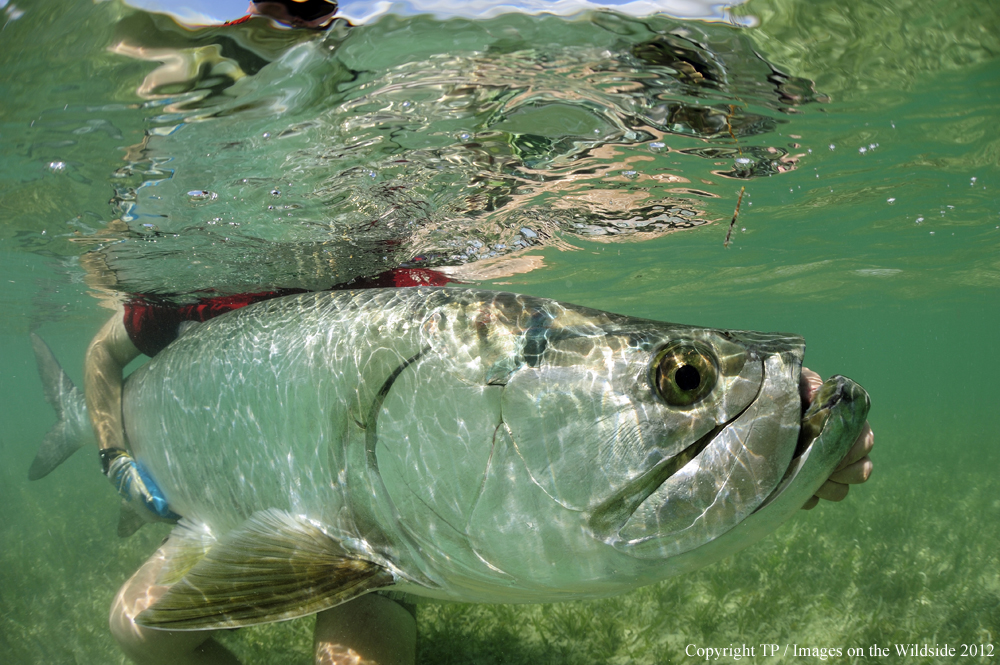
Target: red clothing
237,21
153,322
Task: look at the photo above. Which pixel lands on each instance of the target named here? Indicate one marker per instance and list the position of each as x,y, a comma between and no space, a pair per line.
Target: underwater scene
825,168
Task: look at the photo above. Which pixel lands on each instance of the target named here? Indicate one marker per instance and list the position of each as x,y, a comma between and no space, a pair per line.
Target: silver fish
461,445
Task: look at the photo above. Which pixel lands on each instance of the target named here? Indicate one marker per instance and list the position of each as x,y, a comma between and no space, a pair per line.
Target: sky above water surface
360,11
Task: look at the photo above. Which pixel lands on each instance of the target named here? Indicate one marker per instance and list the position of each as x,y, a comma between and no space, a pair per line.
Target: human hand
855,468
136,486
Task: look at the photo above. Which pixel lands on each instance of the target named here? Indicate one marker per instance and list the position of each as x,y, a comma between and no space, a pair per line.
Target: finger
832,491
862,446
809,383
854,474
811,503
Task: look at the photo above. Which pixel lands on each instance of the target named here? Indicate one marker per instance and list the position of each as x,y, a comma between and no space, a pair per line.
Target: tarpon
459,445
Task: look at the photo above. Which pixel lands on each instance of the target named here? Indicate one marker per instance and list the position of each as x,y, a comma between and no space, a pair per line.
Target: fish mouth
808,443
714,482
830,424
610,517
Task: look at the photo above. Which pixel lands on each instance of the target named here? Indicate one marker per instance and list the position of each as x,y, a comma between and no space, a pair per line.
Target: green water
440,135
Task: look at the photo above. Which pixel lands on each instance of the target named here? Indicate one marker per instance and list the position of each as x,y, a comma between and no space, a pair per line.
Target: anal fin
274,567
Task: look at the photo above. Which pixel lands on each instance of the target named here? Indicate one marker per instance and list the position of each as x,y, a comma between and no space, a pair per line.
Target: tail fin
72,429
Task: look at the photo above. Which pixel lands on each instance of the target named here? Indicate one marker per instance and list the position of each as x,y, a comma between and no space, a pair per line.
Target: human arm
109,353
107,356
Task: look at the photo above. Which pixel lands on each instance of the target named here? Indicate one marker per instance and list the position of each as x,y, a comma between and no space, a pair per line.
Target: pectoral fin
276,566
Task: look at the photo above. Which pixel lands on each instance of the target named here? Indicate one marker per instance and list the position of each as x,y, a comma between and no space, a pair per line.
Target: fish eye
684,373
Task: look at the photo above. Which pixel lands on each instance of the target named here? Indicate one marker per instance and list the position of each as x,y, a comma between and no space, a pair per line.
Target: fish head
665,438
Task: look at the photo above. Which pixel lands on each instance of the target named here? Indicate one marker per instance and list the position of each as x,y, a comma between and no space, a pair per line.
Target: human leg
367,630
147,646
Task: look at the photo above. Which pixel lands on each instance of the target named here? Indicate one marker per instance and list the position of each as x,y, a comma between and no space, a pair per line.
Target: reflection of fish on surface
461,445
473,153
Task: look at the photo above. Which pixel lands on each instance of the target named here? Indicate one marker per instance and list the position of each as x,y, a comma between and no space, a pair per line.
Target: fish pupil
687,377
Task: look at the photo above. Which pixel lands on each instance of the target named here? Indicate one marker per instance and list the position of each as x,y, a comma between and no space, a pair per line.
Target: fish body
465,445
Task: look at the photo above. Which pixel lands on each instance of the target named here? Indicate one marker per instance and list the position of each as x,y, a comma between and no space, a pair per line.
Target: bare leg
146,646
365,631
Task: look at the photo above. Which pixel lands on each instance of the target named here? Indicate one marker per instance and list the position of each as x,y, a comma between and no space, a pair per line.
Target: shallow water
596,159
